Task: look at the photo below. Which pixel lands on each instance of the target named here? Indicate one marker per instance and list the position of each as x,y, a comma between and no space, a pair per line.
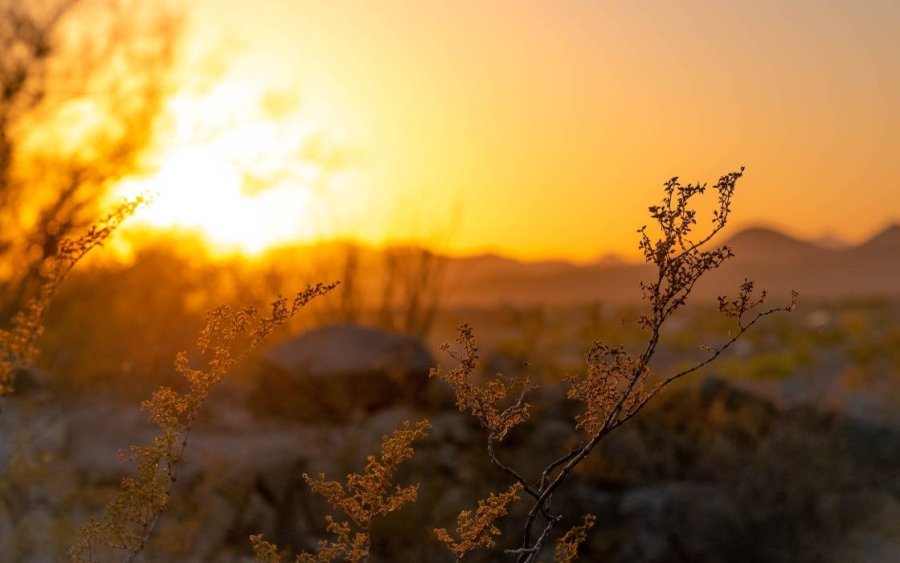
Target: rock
872,529
682,522
338,372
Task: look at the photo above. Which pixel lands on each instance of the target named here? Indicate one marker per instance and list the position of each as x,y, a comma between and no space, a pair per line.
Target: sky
544,129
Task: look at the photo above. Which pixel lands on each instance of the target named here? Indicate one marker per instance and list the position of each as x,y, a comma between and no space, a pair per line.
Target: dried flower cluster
263,551
679,258
483,402
18,344
131,517
479,530
567,546
365,497
611,373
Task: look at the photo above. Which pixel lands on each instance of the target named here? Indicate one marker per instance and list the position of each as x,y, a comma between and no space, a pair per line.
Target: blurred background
481,164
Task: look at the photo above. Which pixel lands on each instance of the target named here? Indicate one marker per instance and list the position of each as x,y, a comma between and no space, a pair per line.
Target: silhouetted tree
82,84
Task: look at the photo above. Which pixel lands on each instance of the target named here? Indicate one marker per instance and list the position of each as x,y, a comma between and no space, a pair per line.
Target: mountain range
818,270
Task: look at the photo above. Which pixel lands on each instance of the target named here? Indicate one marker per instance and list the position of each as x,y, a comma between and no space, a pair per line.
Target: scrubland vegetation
777,448
711,438
661,430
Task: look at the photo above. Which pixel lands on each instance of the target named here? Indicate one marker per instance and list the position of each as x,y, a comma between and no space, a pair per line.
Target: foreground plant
567,546
18,347
132,516
365,497
479,530
616,384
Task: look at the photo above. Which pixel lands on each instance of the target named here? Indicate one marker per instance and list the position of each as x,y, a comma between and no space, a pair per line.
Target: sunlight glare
233,172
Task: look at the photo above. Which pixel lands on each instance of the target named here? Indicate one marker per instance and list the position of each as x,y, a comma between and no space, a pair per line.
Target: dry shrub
132,516
18,344
617,384
477,530
365,497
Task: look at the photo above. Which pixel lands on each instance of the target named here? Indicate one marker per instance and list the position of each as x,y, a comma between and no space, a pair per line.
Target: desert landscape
326,282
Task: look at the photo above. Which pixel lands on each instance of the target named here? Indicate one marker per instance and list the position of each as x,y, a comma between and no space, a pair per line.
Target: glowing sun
237,168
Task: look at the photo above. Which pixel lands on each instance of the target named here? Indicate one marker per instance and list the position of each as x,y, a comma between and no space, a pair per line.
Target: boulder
338,372
682,522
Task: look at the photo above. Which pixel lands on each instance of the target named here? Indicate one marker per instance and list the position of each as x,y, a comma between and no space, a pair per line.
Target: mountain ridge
775,260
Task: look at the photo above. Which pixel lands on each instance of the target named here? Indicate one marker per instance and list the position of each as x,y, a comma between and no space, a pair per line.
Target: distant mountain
774,260
760,244
610,260
780,263
887,240
831,242
496,266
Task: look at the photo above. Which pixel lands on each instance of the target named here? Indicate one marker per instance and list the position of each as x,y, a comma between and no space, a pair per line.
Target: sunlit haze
536,129
234,174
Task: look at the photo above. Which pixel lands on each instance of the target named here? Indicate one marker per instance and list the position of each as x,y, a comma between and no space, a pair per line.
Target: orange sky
545,128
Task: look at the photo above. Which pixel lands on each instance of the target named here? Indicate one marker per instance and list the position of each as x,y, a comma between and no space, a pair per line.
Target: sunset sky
535,129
